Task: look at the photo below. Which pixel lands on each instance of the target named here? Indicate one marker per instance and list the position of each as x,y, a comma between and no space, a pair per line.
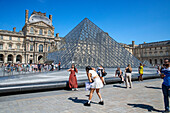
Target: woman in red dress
72,79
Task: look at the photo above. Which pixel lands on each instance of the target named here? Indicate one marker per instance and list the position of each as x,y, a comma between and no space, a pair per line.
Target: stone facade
154,52
30,45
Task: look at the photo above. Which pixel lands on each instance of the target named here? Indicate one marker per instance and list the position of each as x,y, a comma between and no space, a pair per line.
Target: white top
93,73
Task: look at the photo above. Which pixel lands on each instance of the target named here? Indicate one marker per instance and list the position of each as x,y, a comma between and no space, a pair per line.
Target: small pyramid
87,44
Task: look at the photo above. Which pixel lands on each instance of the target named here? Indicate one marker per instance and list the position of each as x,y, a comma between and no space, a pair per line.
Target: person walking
128,75
140,69
119,73
165,75
96,84
72,79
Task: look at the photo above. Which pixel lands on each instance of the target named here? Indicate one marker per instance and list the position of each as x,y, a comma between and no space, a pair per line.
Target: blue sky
124,20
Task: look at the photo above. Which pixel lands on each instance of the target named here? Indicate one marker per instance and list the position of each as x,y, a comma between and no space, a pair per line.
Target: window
150,48
1,46
10,38
31,38
155,61
1,37
49,33
155,48
48,48
31,30
161,61
18,38
18,47
40,48
160,47
30,55
10,46
40,31
150,61
1,57
31,47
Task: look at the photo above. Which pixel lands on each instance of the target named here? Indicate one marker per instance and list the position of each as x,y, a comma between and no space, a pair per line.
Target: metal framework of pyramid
87,44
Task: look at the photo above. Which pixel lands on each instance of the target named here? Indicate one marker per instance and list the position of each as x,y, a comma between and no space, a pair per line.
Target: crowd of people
96,80
30,67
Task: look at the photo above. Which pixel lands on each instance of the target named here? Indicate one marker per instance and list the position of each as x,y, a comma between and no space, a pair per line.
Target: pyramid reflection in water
87,45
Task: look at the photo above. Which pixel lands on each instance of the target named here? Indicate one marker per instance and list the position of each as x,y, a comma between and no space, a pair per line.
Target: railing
9,71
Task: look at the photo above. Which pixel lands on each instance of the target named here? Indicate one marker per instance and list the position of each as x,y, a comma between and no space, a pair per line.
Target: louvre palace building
32,43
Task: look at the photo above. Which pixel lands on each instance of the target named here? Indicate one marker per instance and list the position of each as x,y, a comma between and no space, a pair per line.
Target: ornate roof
37,18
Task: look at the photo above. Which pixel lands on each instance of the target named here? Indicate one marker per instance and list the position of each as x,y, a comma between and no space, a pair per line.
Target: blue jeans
166,93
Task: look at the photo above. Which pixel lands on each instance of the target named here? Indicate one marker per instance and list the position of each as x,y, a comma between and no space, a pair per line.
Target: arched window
10,58
1,58
19,58
31,30
150,61
40,48
161,61
49,33
40,31
155,61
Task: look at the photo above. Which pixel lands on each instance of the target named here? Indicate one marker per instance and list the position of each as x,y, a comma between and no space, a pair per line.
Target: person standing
39,67
128,75
140,69
165,75
96,84
100,71
59,65
119,73
72,79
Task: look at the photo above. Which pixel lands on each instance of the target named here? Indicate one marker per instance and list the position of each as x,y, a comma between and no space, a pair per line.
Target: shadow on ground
153,87
119,86
76,100
144,106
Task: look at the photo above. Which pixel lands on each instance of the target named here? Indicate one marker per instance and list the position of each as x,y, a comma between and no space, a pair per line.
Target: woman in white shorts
96,84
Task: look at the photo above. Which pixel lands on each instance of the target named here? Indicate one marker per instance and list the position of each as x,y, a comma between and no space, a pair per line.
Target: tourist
72,79
165,75
128,76
140,69
100,71
59,65
39,67
56,66
120,74
96,84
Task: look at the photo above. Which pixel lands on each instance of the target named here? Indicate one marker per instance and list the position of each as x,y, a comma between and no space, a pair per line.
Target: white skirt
97,84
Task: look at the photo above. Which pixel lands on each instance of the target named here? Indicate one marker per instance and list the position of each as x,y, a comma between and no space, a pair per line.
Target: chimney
57,34
26,16
14,29
144,42
133,44
50,17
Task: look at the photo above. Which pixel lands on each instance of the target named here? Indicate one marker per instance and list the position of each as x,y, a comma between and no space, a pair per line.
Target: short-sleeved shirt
166,79
93,73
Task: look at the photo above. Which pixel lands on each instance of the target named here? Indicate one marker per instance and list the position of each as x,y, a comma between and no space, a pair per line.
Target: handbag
104,74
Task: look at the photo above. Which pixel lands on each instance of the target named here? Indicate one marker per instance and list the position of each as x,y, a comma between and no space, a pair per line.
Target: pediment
40,23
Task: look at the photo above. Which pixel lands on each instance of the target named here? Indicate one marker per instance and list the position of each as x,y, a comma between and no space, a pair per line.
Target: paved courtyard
145,97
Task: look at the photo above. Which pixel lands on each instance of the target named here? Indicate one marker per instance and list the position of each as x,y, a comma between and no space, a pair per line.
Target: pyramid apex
85,18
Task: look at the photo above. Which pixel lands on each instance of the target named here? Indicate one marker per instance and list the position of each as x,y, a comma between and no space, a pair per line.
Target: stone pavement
144,97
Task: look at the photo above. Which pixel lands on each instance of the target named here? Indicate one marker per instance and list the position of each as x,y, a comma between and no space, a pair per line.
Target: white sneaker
76,89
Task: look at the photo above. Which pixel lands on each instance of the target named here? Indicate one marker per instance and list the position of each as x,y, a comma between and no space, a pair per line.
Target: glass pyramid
87,45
